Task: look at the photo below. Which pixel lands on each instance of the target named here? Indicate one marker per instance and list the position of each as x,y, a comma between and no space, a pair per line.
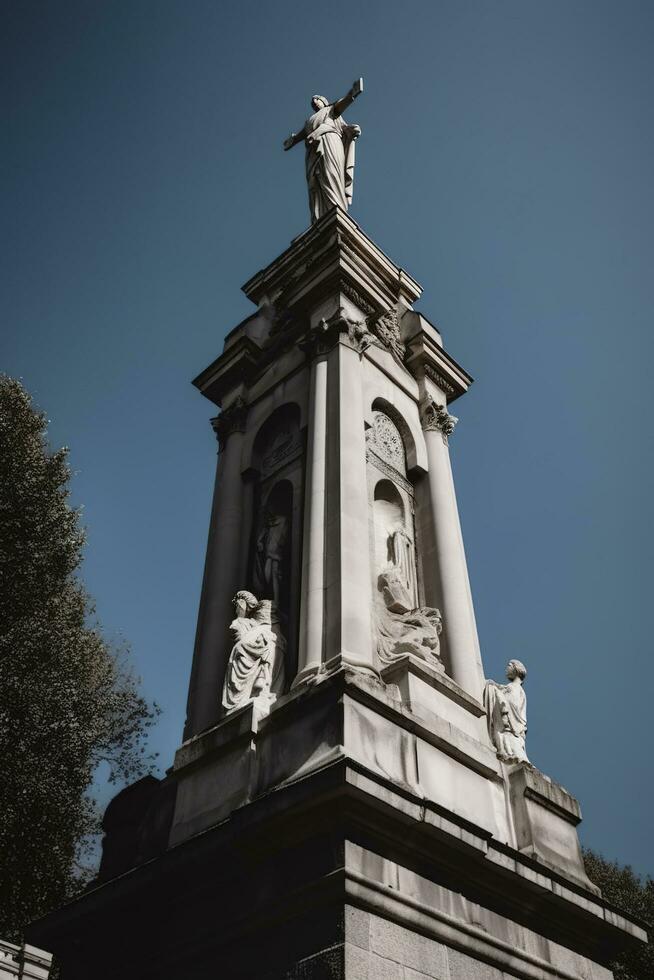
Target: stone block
428,691
463,967
394,942
380,744
357,927
357,963
456,787
546,818
382,969
326,965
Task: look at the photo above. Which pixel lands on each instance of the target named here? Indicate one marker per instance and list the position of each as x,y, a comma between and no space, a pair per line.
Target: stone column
459,627
313,548
348,589
221,580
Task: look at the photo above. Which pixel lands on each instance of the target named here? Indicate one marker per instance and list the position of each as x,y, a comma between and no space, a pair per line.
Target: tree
627,891
67,699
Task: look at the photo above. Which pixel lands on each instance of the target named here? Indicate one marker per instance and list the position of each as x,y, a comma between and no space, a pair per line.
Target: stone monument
351,798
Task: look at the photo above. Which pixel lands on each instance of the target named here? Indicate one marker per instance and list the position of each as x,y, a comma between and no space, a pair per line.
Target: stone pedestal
357,824
344,836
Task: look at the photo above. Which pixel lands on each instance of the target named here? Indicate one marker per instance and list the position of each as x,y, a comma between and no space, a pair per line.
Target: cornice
334,254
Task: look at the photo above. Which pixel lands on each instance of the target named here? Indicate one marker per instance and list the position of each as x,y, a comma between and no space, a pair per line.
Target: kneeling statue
255,670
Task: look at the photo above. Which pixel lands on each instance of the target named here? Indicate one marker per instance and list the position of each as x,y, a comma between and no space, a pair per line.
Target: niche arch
409,428
277,440
274,468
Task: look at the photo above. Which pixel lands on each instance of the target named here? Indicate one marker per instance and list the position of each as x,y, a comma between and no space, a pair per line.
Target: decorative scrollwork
439,380
387,441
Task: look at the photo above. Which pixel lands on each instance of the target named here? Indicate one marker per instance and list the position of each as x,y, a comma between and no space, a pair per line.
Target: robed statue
506,714
255,670
329,143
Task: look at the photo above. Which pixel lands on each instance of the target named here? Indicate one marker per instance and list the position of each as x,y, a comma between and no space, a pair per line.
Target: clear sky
506,162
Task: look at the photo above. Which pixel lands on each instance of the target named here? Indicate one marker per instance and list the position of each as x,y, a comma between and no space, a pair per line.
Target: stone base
352,840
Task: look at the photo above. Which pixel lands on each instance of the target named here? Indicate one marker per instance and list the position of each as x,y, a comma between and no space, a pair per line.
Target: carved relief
439,380
387,328
232,419
506,714
329,331
255,671
285,444
357,298
402,626
435,416
386,440
385,450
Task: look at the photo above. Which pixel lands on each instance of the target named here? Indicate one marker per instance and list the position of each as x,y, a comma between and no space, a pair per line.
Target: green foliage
634,895
67,700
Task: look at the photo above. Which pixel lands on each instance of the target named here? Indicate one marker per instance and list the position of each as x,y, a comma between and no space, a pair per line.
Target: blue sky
505,162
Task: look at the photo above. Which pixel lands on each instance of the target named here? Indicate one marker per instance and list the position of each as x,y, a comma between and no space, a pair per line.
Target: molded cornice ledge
236,365
333,255
427,359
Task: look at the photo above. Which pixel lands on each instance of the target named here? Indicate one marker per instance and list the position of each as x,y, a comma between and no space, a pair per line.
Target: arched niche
409,429
277,441
392,506
388,517
271,572
276,479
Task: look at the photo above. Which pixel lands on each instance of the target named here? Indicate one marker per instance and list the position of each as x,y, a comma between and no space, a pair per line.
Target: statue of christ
329,143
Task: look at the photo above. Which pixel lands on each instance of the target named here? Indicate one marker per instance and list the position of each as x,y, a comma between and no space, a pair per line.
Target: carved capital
433,416
335,329
386,327
231,420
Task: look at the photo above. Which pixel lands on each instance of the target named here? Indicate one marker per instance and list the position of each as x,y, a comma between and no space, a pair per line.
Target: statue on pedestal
329,143
256,664
506,713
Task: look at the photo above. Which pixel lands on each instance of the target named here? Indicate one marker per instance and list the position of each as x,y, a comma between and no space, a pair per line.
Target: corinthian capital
232,419
435,416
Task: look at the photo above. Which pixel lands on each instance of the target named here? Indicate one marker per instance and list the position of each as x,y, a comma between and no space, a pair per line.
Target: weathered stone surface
357,927
394,942
464,967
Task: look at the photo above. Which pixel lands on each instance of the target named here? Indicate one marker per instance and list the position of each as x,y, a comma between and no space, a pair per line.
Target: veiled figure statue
403,626
329,143
256,663
506,714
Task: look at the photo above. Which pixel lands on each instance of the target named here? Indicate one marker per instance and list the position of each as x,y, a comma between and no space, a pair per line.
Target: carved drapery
506,714
402,625
255,670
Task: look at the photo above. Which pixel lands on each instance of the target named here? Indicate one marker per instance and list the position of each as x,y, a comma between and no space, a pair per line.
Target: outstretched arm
294,138
341,105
